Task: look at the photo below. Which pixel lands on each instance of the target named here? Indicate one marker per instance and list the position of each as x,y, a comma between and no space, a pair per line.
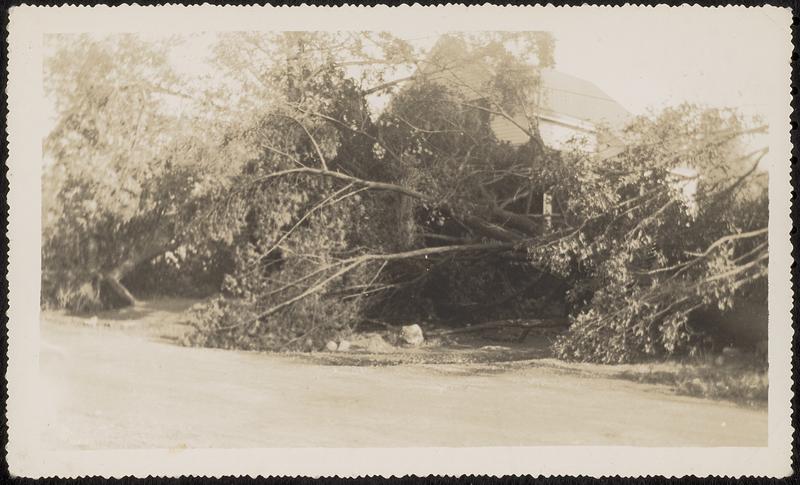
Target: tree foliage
648,241
109,151
329,211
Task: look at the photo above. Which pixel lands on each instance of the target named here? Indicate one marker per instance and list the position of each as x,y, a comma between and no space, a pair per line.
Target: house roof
576,98
564,97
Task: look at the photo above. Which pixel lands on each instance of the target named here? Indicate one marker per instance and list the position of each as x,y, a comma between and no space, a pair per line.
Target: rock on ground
412,335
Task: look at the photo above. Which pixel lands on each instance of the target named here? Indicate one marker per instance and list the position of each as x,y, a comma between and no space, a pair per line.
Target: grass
743,381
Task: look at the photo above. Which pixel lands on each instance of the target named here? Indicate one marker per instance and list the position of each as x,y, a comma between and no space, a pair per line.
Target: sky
715,61
717,58
649,65
642,70
652,66
725,58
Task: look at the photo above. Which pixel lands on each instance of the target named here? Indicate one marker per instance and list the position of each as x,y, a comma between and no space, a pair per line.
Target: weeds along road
112,390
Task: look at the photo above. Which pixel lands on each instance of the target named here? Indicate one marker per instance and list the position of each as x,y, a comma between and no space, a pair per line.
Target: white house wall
554,135
505,130
558,136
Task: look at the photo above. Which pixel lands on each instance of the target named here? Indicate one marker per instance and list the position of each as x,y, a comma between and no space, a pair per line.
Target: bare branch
731,237
332,199
322,161
310,290
352,263
347,178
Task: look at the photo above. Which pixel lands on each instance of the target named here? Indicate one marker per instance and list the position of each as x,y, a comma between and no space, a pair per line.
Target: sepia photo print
399,234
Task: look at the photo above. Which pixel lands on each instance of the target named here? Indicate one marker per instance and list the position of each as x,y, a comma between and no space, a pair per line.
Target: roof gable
563,96
568,96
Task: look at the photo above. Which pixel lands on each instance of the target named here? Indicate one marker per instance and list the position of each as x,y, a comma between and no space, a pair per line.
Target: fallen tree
334,214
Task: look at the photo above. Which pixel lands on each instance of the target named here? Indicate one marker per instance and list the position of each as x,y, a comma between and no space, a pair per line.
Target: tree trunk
490,230
405,223
518,221
157,246
120,291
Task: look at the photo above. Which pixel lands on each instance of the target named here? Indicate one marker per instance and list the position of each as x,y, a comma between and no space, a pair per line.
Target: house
567,111
569,108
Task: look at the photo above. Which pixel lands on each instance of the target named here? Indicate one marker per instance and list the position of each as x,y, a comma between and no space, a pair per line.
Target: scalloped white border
25,126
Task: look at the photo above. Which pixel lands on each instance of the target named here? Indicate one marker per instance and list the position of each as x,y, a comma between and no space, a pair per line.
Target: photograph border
24,126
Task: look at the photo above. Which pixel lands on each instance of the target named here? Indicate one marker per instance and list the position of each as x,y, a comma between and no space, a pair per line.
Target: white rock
92,322
331,346
344,346
412,335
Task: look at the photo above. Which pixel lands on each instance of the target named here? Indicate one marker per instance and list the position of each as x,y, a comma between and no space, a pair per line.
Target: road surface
113,390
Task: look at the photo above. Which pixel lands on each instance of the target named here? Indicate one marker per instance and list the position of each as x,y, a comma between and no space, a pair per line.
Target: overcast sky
713,58
658,64
647,58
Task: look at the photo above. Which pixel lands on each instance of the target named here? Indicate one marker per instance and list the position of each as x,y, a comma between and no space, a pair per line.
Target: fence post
547,210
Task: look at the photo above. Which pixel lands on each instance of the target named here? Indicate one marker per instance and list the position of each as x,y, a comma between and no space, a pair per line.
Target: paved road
114,390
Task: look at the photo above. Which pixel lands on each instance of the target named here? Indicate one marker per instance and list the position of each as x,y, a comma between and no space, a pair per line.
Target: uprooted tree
329,213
